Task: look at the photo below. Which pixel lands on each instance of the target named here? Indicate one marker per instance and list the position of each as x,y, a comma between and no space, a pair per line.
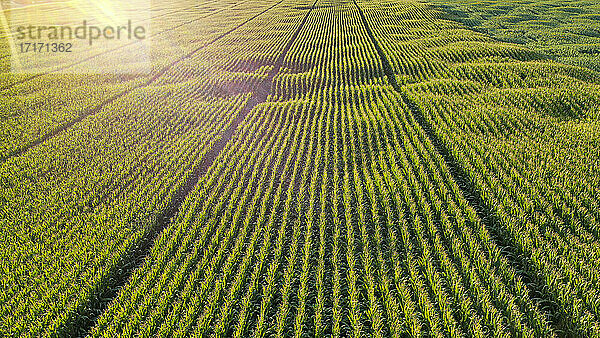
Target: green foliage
404,175
566,30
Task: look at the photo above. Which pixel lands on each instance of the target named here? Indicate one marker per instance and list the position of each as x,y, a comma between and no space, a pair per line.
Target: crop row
461,201
78,206
330,212
34,108
518,129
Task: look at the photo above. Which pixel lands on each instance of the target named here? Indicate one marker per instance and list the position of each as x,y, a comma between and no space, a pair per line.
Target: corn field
328,168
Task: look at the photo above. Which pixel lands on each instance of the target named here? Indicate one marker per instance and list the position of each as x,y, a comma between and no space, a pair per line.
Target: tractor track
513,255
82,322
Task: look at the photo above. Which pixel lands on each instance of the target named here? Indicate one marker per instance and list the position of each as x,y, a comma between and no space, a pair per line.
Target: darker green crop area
566,30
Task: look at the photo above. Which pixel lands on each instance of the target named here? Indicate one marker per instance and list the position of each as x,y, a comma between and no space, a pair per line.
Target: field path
259,95
560,320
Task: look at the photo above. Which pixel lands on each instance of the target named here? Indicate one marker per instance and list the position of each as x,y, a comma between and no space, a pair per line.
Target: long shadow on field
81,323
559,320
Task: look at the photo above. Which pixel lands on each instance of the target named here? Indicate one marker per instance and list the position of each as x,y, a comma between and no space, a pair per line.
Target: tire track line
82,322
94,110
535,284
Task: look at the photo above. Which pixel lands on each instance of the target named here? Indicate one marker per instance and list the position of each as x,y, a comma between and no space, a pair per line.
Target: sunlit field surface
63,21
364,168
